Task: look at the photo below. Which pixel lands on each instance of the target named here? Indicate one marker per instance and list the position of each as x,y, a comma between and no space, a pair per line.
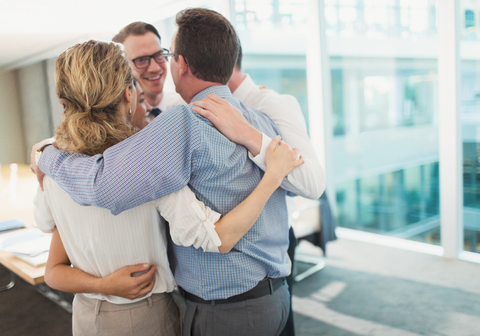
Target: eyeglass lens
144,61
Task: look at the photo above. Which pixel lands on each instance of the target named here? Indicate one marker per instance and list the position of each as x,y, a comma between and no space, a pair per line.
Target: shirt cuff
259,160
208,217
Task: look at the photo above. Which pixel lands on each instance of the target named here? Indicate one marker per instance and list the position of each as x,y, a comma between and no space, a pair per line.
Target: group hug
169,210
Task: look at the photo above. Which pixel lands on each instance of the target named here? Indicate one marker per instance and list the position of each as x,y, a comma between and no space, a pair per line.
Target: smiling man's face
153,77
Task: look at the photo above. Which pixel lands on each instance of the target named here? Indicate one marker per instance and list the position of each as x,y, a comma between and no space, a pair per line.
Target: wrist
100,286
272,179
253,141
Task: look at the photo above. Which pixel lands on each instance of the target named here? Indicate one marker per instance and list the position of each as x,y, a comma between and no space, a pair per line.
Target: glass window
470,106
273,36
381,18
385,116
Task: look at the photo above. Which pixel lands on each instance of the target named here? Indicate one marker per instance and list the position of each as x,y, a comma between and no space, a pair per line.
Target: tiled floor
364,290
373,290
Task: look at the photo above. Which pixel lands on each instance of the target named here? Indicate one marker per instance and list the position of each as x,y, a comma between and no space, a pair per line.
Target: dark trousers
289,329
263,316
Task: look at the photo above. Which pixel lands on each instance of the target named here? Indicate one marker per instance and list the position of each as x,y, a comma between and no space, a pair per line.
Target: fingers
147,283
299,162
213,103
40,180
136,268
205,109
144,279
201,103
33,164
284,145
147,289
209,104
274,143
290,155
204,113
283,148
298,159
216,99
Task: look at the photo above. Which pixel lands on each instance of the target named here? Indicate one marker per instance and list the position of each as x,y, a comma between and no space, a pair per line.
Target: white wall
55,106
12,145
35,103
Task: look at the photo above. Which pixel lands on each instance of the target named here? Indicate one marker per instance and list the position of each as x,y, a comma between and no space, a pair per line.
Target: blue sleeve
148,165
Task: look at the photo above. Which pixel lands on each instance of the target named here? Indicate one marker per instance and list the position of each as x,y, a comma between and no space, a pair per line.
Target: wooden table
17,191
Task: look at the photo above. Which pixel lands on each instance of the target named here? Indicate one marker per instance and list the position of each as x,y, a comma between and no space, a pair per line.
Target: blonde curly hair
90,80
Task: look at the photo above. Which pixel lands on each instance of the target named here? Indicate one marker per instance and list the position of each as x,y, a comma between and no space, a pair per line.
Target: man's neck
196,88
153,99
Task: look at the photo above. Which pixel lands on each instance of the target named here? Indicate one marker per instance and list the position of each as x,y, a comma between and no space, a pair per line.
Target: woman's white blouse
99,243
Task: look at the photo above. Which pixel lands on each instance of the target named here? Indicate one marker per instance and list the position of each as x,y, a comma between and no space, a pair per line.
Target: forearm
72,280
308,180
194,224
134,171
76,174
253,140
121,283
235,224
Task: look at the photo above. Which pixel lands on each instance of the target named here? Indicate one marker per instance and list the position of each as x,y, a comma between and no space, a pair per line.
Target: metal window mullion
450,139
319,93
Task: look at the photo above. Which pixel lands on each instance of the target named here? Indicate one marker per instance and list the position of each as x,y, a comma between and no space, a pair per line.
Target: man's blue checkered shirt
178,148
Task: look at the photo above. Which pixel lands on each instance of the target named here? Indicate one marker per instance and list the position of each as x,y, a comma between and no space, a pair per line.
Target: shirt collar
220,90
163,103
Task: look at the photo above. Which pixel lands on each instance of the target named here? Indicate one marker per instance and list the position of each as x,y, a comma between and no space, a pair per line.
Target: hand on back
122,283
226,118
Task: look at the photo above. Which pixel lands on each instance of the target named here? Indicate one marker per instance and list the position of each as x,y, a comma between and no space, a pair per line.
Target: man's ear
183,65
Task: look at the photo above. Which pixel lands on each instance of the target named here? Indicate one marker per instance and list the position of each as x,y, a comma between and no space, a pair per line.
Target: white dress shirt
170,99
308,180
99,243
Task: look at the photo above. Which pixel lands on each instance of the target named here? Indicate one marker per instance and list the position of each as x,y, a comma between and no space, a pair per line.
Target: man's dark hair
135,28
208,43
240,56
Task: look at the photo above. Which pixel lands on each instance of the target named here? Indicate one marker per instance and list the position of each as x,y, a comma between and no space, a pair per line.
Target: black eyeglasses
160,57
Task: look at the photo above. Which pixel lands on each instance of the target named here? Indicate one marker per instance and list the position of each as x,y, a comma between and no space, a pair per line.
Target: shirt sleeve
191,222
42,213
148,165
308,180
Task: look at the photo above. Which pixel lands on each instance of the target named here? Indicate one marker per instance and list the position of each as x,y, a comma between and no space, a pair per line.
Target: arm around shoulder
136,170
307,180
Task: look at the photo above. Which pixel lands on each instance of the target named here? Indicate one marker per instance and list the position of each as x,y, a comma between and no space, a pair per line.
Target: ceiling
33,30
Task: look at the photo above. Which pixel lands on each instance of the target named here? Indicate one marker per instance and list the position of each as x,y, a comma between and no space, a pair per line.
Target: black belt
264,287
